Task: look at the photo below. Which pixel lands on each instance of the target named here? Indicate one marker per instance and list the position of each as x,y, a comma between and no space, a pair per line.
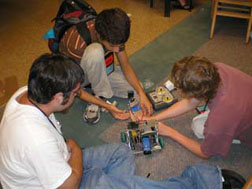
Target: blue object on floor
49,34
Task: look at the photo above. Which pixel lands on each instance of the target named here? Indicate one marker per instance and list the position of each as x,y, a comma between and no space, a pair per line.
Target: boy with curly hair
227,92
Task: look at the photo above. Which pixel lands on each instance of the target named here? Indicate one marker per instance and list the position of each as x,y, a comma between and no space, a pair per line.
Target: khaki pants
93,64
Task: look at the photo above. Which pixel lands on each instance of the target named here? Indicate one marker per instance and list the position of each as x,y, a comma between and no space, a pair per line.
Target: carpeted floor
188,37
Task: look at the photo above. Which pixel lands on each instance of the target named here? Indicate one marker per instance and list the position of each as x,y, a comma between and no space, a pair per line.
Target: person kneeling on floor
226,91
106,35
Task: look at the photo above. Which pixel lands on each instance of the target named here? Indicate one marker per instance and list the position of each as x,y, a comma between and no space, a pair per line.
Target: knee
91,177
124,148
124,151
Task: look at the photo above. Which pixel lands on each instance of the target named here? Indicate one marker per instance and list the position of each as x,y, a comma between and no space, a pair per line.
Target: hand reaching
119,114
146,106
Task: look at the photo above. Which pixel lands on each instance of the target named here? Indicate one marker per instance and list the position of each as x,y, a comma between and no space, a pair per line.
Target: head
53,74
196,77
113,28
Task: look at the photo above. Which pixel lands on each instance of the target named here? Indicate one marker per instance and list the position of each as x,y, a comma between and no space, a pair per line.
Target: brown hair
196,77
113,26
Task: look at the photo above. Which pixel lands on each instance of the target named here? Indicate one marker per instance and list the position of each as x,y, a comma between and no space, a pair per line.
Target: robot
142,137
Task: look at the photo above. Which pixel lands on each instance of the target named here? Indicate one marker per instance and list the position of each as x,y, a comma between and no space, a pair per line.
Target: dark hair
113,26
197,77
51,74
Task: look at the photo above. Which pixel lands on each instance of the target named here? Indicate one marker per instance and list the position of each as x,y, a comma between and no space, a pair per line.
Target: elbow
73,181
203,155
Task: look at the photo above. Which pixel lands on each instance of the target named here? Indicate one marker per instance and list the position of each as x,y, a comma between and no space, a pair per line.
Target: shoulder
24,125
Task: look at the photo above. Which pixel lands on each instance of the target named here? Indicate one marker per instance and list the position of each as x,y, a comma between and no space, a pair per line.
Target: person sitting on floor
35,154
227,92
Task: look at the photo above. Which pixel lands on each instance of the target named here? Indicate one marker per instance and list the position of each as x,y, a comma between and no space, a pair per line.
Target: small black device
161,98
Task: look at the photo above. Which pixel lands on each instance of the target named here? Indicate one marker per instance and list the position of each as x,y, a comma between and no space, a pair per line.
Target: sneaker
107,101
232,179
92,114
104,110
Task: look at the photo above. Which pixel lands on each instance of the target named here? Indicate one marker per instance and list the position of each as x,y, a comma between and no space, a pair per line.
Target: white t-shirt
32,153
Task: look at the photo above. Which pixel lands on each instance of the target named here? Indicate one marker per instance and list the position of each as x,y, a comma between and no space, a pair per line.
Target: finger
142,117
132,117
143,109
150,111
119,111
124,112
123,116
115,109
138,116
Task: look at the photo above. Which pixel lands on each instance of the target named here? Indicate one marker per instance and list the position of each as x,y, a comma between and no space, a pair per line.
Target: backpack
71,12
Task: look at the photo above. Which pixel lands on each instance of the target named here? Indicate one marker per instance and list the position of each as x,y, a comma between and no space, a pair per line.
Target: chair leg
151,3
167,8
249,26
190,5
213,19
212,9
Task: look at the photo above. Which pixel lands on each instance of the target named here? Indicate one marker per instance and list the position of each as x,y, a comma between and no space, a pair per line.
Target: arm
75,162
179,108
117,114
131,77
188,143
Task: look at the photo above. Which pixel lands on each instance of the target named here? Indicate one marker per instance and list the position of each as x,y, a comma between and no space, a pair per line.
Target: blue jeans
112,166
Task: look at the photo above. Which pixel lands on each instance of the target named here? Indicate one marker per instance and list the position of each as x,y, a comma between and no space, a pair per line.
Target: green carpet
157,59
84,134
184,39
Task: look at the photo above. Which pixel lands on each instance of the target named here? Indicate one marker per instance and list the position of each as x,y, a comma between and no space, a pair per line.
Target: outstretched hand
136,116
141,117
119,114
146,106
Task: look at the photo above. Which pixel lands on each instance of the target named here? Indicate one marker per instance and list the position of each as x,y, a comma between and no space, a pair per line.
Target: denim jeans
112,166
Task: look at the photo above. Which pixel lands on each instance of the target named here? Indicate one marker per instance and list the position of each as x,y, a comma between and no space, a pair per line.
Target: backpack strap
73,5
84,32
